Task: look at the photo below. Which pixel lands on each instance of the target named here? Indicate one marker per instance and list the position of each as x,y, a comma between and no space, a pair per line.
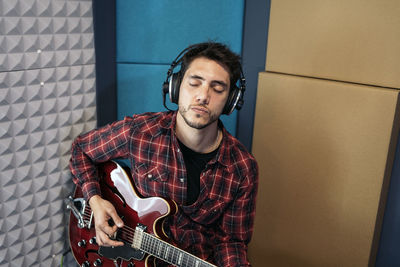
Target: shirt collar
168,122
223,154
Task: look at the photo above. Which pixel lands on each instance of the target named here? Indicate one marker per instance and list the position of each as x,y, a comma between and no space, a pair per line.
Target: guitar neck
155,246
169,253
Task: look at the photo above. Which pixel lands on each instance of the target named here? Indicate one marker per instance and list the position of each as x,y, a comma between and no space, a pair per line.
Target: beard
200,122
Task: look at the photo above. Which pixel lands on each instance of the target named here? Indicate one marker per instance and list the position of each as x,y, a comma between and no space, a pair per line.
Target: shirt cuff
90,189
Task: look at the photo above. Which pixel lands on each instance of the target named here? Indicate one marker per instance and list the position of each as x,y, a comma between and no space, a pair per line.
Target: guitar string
128,231
148,243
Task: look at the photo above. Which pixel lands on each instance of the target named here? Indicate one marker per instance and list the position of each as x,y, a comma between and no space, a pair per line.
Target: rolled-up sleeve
96,146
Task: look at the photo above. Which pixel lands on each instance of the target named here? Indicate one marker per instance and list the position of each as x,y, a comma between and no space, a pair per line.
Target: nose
203,94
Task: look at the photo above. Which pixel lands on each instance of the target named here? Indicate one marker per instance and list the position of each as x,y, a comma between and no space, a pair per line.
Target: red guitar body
133,209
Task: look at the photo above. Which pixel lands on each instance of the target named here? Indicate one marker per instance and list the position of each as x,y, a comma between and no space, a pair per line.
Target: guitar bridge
77,207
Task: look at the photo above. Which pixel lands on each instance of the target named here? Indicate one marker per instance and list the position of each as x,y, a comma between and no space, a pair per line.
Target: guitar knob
85,264
82,243
97,262
92,240
131,264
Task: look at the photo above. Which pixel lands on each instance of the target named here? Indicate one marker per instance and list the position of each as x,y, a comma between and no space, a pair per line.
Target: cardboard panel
348,40
324,150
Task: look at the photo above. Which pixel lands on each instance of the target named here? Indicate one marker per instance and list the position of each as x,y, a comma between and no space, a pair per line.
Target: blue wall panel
155,31
255,35
105,49
150,34
139,88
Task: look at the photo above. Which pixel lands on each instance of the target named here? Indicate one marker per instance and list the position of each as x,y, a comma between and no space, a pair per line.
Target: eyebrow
197,77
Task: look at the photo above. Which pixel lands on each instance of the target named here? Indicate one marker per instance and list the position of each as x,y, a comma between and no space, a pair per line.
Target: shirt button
149,176
182,180
179,150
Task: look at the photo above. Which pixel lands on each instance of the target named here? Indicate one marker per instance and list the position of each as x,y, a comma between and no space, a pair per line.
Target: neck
200,140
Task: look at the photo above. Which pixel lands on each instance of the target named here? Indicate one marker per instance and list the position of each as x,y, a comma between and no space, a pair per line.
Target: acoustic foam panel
347,40
47,98
45,34
148,80
42,111
325,151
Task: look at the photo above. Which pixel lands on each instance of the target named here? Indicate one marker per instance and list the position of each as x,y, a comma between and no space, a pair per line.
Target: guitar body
117,187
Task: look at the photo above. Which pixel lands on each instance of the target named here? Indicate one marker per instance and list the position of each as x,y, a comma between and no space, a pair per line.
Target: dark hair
214,51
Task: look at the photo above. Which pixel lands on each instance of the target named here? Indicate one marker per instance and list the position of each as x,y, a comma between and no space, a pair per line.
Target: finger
103,239
107,229
100,238
114,243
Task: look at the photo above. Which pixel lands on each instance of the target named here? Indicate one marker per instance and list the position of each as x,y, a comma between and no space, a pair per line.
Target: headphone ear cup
174,85
232,101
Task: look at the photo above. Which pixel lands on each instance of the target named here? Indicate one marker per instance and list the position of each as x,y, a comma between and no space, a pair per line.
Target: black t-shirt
195,163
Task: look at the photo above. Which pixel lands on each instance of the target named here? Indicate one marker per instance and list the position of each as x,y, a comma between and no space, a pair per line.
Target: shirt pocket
151,173
150,180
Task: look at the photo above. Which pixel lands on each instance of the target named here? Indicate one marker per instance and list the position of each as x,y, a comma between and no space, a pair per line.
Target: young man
185,155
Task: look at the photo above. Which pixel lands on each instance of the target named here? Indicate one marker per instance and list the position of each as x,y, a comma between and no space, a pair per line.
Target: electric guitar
143,236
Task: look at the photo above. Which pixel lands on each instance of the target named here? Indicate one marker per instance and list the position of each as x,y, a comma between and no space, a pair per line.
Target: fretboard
166,252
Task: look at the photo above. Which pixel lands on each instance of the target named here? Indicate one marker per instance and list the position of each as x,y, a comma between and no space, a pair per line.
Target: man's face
203,93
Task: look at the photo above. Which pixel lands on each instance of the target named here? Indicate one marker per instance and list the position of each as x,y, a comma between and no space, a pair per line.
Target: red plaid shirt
219,225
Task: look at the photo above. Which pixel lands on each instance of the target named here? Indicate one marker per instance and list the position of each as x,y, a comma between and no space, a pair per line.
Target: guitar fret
167,252
160,249
163,249
151,245
181,256
184,259
174,260
171,254
175,256
148,243
187,260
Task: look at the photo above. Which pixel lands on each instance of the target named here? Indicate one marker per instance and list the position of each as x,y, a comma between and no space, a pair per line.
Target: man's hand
103,211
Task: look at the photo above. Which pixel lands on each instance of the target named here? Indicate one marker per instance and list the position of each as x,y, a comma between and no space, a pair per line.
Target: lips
200,109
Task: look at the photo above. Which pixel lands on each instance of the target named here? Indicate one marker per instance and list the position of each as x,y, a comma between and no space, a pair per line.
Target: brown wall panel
324,149
347,40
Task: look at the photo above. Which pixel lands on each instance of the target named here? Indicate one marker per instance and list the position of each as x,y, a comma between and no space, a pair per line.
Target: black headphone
173,81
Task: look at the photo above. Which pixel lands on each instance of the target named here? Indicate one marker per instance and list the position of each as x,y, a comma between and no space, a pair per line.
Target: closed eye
195,81
219,86
218,89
